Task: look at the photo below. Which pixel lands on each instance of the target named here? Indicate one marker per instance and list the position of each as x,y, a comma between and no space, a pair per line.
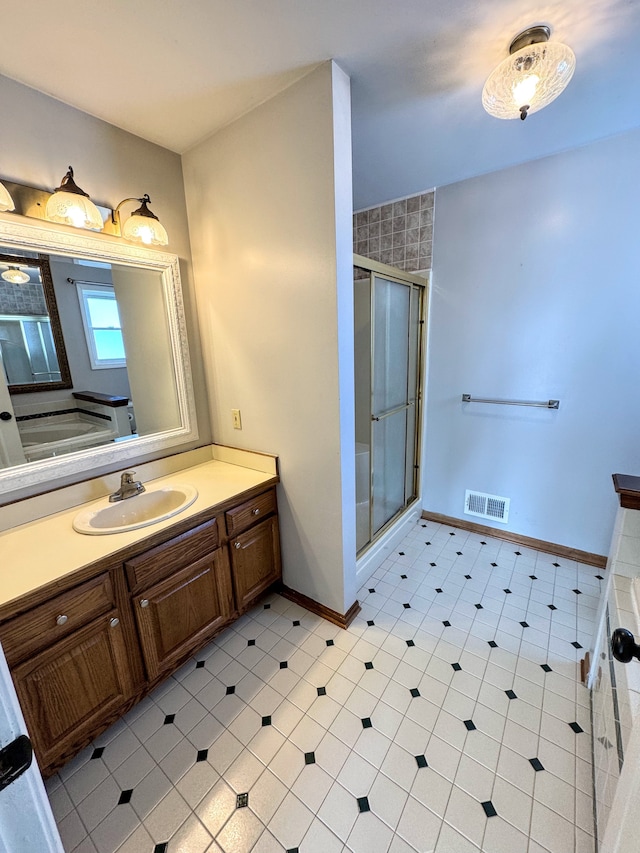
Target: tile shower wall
399,233
26,299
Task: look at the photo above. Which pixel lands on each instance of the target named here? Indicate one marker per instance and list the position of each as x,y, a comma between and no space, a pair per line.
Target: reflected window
102,327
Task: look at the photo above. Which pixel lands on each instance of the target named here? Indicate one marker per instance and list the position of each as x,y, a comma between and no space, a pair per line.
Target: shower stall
389,312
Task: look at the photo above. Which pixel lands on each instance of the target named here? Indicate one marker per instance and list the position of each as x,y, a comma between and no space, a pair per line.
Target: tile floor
447,718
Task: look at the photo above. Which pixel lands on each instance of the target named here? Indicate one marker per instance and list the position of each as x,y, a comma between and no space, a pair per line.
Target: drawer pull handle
114,622
237,545
255,511
62,619
144,602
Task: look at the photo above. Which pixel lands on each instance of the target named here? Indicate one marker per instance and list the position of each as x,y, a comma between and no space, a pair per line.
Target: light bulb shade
6,202
69,205
15,276
528,80
145,227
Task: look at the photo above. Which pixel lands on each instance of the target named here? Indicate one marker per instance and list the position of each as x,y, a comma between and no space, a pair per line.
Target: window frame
105,291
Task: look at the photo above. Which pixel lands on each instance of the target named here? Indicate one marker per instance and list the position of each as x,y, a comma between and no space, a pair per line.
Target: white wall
44,136
269,201
536,296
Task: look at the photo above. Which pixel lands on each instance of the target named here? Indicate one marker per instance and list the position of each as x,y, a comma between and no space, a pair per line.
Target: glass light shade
6,202
145,229
528,80
15,276
73,209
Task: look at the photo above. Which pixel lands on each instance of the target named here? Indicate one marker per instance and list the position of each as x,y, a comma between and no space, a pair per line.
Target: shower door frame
402,277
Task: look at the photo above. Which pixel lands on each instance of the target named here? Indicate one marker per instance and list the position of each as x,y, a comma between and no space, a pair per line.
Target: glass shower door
394,397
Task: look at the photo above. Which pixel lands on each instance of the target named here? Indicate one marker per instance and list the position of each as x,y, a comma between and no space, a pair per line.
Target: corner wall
535,296
269,202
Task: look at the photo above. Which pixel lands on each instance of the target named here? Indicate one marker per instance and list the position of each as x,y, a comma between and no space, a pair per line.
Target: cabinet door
255,558
181,612
72,688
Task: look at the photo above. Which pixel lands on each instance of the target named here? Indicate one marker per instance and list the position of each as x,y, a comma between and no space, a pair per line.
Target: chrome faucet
128,488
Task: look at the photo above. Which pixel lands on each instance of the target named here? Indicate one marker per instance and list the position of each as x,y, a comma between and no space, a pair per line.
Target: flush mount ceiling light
15,276
143,225
534,74
6,202
69,205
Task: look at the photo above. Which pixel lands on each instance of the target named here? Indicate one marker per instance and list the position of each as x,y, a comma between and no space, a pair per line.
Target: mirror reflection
86,356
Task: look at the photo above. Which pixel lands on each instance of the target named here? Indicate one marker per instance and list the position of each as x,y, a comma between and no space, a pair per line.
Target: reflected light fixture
534,74
6,202
142,226
69,205
15,276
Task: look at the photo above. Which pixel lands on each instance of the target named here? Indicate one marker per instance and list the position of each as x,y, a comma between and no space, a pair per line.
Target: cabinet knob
62,619
255,511
237,545
114,622
144,602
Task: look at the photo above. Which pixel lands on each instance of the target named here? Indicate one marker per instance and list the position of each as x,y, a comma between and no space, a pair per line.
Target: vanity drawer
49,622
248,513
163,560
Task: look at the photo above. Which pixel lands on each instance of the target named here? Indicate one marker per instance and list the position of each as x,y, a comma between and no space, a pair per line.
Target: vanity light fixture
143,225
69,205
15,276
6,202
534,74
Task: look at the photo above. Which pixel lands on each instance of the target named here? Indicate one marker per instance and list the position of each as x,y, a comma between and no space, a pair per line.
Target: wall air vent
487,506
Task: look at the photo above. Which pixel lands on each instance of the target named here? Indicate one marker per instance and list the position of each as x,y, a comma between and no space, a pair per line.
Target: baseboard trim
339,619
527,541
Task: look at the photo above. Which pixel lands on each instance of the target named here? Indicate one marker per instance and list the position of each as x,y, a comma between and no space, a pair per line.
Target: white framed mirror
122,318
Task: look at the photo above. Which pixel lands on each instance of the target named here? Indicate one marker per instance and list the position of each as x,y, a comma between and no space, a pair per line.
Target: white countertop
40,552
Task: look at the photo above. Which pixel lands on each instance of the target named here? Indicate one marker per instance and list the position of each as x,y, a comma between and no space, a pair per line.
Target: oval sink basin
139,511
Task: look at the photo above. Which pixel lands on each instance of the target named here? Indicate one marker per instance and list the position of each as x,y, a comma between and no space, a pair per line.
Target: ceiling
175,71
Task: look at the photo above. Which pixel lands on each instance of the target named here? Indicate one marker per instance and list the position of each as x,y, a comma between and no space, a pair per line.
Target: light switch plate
237,420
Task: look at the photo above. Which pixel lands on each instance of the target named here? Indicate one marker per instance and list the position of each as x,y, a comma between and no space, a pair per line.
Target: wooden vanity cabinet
84,651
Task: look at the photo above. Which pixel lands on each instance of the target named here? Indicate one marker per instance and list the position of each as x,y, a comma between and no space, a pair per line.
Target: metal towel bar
544,404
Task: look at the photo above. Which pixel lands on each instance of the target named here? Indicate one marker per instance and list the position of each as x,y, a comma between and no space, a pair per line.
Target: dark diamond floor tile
552,607
433,565
125,797
546,667
468,577
557,565
410,643
169,719
372,589
404,577
599,577
518,553
370,623
488,807
511,694
576,727
495,565
439,589
267,607
163,847
199,664
366,722
536,764
421,761
284,664
456,667
251,642
478,607
525,624
322,691
459,553
242,801
295,623
363,804
577,591
309,758
401,553
470,725
231,690
493,644
202,755
406,605
446,623
507,591
266,721
368,665
330,643
97,753
414,692
533,577
576,645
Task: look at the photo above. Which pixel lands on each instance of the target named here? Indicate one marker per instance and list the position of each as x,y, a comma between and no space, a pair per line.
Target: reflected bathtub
43,440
